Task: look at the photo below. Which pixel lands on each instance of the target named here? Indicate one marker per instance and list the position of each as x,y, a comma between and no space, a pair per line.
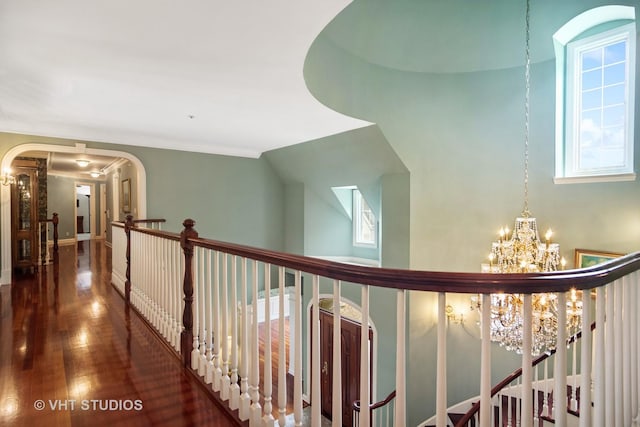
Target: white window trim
561,38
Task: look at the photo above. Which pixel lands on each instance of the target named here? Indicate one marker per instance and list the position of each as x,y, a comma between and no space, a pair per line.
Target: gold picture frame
125,195
585,258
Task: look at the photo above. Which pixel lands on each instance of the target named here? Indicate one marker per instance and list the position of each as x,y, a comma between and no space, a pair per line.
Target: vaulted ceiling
227,77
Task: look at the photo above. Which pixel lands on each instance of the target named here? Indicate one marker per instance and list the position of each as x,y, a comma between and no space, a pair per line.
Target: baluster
267,418
315,350
195,352
297,385
282,367
245,399
485,363
186,336
256,409
175,282
626,346
441,363
527,340
127,284
365,362
599,405
336,409
217,325
509,407
619,327
224,338
609,356
234,402
153,283
585,360
560,369
573,401
202,299
182,268
635,345
208,376
162,283
401,357
536,395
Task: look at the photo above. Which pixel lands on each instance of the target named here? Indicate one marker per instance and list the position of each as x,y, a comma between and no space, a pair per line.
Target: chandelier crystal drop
522,251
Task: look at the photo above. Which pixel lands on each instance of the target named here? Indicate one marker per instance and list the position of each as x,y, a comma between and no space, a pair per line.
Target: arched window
595,103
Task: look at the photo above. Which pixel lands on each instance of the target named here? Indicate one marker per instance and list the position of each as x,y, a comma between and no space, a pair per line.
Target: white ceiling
198,75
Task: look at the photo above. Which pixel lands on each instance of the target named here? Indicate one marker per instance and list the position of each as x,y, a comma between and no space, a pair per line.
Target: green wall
317,224
232,199
461,137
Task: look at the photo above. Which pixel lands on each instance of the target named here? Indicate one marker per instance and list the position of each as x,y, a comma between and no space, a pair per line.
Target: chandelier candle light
522,251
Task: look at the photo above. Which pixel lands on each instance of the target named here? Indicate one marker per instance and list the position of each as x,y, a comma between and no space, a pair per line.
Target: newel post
186,337
128,225
55,222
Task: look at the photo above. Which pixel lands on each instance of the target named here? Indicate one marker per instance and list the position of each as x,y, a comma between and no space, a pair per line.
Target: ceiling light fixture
83,163
522,251
95,174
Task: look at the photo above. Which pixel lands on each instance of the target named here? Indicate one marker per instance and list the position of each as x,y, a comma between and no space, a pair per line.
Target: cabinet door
24,198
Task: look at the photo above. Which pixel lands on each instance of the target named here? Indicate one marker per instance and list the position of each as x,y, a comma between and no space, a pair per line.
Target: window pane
591,119
613,116
615,52
592,99
592,79
614,74
591,59
613,137
614,95
589,137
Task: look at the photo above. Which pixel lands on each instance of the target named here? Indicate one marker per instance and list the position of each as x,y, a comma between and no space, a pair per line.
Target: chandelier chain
527,66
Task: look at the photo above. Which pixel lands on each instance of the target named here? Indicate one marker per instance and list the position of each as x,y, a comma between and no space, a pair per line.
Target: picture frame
585,258
125,195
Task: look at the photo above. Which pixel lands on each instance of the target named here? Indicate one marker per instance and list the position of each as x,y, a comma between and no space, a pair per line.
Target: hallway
72,354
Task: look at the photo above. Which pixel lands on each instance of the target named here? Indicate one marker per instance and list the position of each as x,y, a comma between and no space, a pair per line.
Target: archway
5,193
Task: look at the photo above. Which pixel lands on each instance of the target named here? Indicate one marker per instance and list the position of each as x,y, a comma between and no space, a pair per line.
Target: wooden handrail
475,408
389,398
436,281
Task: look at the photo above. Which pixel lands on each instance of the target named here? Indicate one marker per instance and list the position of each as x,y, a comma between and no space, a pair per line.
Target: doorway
350,334
85,212
79,149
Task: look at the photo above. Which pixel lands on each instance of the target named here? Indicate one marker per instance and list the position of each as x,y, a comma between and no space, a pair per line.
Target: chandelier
522,251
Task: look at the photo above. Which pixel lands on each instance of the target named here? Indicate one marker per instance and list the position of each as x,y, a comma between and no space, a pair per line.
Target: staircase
507,395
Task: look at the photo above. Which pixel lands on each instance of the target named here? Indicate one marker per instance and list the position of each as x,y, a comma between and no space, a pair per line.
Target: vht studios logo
88,405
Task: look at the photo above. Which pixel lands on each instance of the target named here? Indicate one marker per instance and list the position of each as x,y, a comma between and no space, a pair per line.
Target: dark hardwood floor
72,354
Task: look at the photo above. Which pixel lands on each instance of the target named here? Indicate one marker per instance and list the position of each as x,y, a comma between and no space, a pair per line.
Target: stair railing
381,413
543,406
199,291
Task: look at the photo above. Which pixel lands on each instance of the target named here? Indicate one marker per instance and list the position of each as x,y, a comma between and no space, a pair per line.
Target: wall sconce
452,316
7,178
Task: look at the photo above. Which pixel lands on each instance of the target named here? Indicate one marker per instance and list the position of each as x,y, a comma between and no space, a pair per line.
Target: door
350,348
24,219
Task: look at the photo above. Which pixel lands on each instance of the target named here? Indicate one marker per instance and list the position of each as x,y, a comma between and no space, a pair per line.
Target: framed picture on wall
125,196
588,258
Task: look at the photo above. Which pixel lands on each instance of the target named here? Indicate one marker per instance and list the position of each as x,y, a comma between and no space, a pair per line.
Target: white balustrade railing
227,334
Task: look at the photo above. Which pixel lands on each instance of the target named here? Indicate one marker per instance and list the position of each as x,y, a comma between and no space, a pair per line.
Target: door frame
78,148
374,350
102,233
92,207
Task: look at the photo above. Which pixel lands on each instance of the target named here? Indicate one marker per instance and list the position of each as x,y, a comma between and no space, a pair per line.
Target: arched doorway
350,332
5,191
